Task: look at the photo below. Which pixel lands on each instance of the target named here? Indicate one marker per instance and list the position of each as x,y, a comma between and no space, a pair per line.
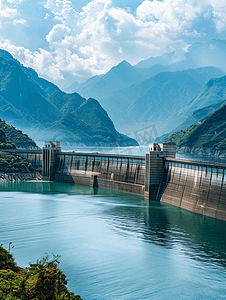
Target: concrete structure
196,186
154,167
49,159
118,172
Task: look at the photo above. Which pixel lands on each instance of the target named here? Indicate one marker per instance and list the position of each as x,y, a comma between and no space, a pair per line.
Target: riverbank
20,176
16,168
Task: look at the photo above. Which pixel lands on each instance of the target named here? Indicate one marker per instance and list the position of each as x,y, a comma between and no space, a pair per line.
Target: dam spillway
196,186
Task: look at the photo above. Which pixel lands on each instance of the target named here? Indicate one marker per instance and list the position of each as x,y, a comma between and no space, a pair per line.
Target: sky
67,41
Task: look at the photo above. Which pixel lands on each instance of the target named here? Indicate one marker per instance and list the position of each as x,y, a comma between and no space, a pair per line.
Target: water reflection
199,237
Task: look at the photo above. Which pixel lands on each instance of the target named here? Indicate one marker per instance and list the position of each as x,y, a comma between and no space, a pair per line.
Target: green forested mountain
42,109
195,117
11,134
209,133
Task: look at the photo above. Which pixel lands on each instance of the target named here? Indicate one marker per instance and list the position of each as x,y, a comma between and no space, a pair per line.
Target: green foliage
2,136
7,145
7,261
14,135
209,133
40,281
14,164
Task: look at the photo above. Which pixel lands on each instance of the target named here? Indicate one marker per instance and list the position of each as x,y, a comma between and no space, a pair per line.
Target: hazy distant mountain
213,92
211,53
154,90
197,116
207,136
121,76
30,102
158,97
163,60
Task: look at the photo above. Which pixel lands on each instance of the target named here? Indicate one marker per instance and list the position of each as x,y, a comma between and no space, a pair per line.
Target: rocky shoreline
20,176
202,151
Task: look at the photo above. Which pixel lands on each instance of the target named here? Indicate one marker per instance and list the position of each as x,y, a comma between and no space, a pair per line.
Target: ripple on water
113,245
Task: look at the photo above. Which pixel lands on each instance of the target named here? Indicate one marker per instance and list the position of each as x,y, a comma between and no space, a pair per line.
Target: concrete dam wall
123,173
199,187
196,186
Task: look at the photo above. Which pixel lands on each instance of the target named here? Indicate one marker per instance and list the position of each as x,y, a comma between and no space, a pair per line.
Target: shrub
40,281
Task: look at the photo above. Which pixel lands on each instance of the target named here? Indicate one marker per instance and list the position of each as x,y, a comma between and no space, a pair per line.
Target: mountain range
159,90
211,53
47,113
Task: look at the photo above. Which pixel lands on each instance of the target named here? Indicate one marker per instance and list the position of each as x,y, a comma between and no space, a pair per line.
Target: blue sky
66,41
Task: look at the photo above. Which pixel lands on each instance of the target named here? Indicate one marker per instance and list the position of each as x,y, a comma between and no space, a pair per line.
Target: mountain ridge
208,136
35,104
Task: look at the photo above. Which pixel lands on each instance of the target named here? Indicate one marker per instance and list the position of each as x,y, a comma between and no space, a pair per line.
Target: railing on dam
122,168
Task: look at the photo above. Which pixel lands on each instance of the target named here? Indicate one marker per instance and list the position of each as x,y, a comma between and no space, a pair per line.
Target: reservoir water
115,245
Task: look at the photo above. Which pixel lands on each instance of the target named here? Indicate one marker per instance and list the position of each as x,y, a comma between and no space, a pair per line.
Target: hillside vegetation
16,136
5,144
9,135
208,133
40,281
14,164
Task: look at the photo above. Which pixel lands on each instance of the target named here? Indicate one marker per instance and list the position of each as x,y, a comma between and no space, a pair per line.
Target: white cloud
41,61
7,12
102,35
91,41
19,21
15,2
44,63
57,34
219,14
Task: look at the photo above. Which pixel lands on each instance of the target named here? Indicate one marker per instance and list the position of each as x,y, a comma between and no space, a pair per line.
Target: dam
196,186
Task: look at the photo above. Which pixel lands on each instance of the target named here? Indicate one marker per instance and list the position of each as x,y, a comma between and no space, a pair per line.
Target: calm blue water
114,245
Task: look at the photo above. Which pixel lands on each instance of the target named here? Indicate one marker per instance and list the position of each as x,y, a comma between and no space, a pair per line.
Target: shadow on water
199,237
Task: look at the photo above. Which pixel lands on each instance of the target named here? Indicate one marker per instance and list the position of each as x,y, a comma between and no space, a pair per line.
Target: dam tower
49,158
154,167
